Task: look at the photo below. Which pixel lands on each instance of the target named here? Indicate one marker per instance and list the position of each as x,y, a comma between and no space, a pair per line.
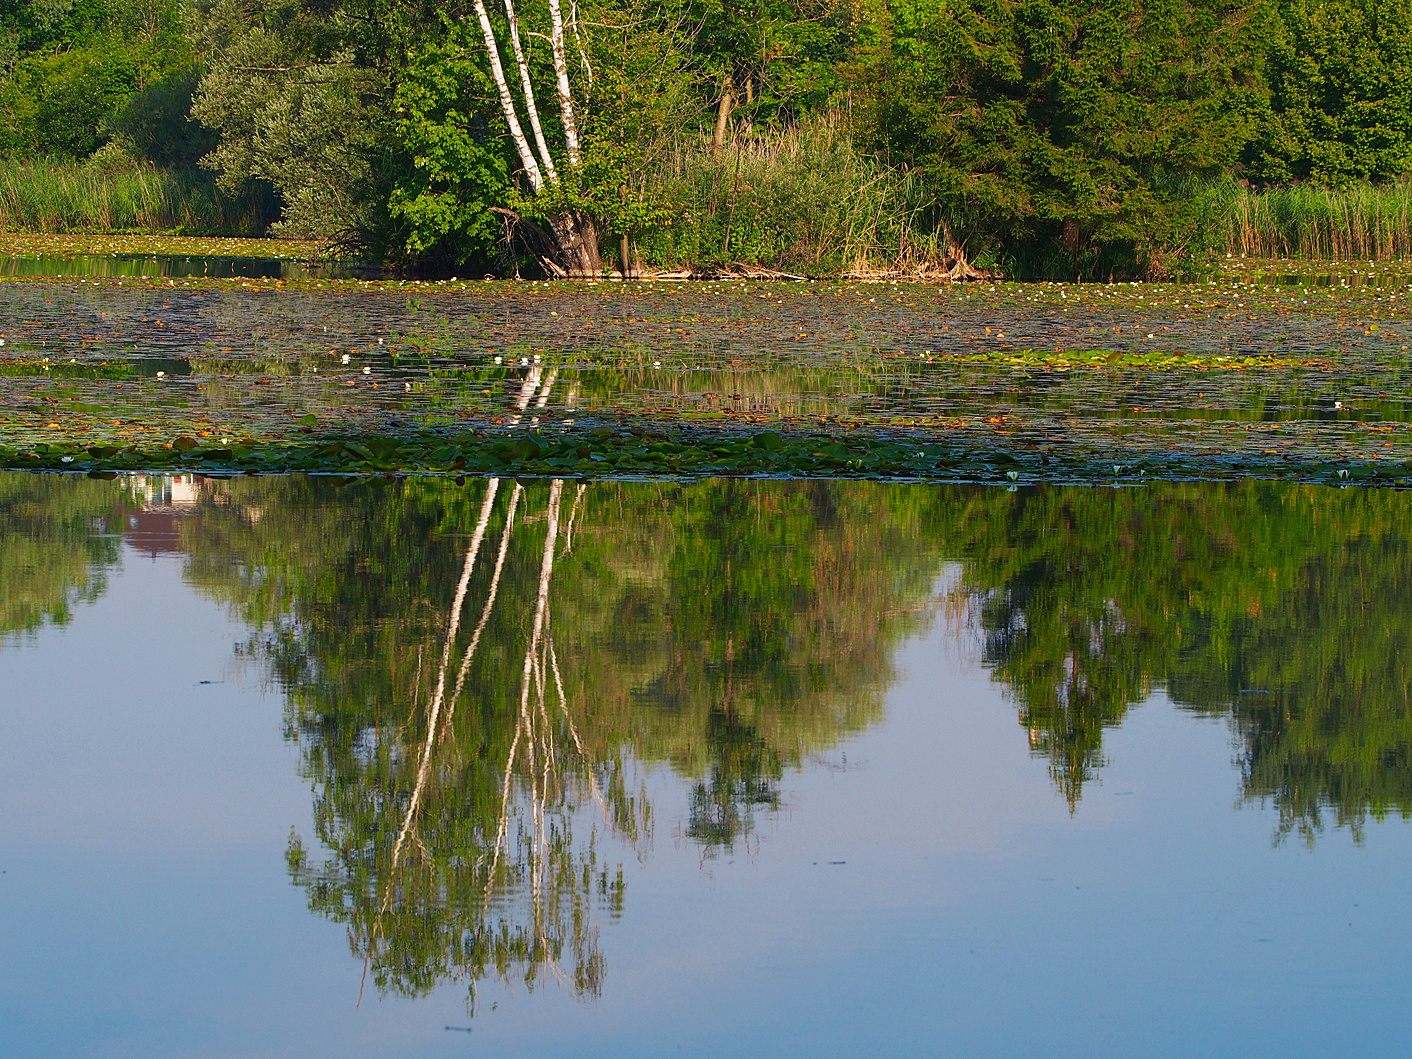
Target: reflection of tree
1287,608
58,538
743,772
465,867
467,766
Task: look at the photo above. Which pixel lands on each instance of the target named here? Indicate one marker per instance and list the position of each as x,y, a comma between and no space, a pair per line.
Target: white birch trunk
507,102
561,79
545,158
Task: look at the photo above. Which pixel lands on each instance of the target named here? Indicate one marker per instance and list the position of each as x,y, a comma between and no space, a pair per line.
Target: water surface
295,766
1235,374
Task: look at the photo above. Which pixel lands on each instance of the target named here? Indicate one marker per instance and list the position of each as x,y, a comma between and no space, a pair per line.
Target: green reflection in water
55,547
1287,609
468,760
728,630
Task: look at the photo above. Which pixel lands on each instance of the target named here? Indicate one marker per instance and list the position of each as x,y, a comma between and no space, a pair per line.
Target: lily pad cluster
610,451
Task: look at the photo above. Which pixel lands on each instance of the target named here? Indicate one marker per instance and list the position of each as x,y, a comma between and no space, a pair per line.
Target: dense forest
1074,137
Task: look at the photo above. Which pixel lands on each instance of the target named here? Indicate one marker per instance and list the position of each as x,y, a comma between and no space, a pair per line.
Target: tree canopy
1078,135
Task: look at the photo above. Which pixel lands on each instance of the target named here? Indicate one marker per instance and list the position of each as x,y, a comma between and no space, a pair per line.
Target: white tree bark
507,102
545,158
561,79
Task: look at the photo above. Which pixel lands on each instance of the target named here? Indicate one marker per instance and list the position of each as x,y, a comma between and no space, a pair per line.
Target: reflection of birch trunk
574,734
424,770
573,514
454,624
489,602
543,398
527,392
524,726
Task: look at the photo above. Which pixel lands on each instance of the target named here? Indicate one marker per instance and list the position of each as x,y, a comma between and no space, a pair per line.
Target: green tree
1071,134
1340,108
69,68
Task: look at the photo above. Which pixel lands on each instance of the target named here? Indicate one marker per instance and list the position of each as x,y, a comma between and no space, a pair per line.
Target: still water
298,766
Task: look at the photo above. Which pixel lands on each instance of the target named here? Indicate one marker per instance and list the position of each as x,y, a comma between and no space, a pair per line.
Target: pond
168,266
405,767
1048,381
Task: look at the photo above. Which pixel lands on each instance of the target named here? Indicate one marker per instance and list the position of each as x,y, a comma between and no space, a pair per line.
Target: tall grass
53,197
1371,222
802,199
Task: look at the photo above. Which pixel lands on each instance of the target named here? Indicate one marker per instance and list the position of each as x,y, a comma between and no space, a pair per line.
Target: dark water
169,266
1253,374
734,767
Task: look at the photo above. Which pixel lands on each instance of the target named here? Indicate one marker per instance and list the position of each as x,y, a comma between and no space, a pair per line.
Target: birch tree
570,245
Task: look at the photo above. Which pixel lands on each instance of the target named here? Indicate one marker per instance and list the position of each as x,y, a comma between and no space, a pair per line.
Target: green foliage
299,96
70,67
445,122
114,192
726,629
1284,608
57,103
1364,222
1067,131
1048,137
780,59
156,122
1340,108
56,547
804,200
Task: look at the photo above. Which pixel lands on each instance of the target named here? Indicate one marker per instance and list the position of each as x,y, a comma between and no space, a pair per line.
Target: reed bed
53,197
801,199
1368,222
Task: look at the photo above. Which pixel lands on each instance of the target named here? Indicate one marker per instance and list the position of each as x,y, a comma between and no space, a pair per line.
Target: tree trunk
567,247
561,81
625,256
528,88
954,262
723,115
507,102
576,242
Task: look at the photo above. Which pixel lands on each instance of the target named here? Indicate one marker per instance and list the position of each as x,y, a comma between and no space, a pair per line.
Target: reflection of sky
145,910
